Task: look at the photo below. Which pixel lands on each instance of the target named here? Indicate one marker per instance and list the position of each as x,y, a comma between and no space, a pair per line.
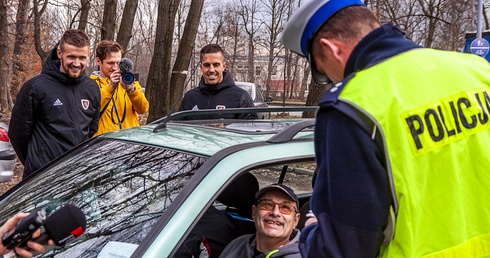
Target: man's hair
75,38
348,25
211,48
105,47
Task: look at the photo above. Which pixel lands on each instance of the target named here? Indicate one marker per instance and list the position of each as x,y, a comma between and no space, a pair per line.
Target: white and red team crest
220,107
85,103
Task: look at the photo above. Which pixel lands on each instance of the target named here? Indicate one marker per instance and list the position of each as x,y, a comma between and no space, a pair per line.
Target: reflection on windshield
122,188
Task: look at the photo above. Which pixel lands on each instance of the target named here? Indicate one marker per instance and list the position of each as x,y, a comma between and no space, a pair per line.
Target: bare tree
4,57
38,12
248,10
84,10
18,67
159,76
109,20
126,28
231,29
276,13
186,47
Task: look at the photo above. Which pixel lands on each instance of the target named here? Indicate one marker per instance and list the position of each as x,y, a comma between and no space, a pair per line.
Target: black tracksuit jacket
52,113
220,96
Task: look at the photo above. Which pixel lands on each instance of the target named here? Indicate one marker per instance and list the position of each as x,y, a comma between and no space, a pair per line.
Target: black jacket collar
212,89
382,43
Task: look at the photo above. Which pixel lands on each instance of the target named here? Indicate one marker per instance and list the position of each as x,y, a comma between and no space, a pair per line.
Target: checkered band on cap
307,19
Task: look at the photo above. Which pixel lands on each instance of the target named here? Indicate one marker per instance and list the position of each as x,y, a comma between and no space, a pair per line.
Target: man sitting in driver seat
275,214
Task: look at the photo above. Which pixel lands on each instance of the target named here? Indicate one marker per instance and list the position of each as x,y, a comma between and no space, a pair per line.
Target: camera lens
127,78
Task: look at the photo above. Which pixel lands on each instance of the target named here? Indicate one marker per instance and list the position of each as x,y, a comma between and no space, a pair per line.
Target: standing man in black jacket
57,109
216,90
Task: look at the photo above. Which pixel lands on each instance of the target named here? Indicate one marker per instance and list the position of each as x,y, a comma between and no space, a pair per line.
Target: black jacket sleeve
22,121
94,125
351,196
246,102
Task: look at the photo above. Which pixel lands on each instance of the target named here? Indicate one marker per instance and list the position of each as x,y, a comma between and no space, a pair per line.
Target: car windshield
122,187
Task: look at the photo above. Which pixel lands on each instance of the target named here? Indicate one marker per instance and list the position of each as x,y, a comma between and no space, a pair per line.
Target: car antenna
163,125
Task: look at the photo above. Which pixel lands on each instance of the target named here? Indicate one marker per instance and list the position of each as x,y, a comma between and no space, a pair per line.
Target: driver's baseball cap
306,21
278,187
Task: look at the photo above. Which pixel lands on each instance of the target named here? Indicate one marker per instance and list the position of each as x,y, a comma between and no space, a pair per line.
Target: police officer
401,139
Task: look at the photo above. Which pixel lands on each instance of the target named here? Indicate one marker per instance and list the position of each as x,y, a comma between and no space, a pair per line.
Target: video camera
63,225
126,66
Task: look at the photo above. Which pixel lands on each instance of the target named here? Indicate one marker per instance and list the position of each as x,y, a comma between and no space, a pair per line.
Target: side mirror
269,99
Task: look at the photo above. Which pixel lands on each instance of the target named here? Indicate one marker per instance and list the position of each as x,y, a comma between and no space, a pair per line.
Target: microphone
126,65
63,225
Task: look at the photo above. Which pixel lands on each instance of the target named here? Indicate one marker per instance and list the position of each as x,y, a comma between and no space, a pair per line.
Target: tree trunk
83,14
126,28
186,47
37,30
159,76
109,20
4,58
18,67
315,93
304,81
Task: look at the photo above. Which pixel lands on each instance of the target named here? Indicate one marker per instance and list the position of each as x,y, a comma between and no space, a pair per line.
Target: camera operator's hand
115,78
10,224
129,88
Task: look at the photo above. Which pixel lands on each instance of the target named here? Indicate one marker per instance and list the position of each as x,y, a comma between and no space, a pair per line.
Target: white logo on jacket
220,107
85,103
57,103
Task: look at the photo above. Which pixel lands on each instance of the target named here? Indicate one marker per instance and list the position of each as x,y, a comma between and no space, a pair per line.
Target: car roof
207,137
249,84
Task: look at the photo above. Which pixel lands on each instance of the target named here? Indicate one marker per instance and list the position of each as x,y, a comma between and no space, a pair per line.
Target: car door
206,185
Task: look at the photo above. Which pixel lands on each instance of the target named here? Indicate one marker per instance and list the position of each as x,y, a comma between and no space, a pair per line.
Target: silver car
7,155
259,100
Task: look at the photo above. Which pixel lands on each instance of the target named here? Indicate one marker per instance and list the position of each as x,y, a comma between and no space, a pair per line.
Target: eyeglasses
268,205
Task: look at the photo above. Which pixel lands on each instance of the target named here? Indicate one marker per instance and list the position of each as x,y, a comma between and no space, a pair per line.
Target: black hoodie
52,113
219,96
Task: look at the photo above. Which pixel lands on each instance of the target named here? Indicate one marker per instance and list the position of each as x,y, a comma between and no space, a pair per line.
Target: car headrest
240,193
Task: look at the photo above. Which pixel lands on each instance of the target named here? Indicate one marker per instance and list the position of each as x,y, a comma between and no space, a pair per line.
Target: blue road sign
480,47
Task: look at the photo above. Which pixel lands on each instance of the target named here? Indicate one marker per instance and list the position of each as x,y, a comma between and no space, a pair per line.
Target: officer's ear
333,46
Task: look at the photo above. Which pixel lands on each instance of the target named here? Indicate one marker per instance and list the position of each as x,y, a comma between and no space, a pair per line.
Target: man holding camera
121,98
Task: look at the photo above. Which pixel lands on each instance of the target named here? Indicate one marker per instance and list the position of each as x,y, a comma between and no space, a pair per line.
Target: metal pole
479,19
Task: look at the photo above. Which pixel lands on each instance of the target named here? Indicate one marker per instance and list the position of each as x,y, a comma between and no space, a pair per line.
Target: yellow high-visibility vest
433,110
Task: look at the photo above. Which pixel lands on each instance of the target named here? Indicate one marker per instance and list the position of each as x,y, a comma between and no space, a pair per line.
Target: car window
231,214
258,94
122,187
298,176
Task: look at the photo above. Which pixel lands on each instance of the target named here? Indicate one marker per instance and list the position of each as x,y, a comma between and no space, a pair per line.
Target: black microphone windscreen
125,65
65,224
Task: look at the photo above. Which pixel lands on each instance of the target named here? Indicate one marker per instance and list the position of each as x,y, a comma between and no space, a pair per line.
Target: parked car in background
7,154
256,94
143,189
